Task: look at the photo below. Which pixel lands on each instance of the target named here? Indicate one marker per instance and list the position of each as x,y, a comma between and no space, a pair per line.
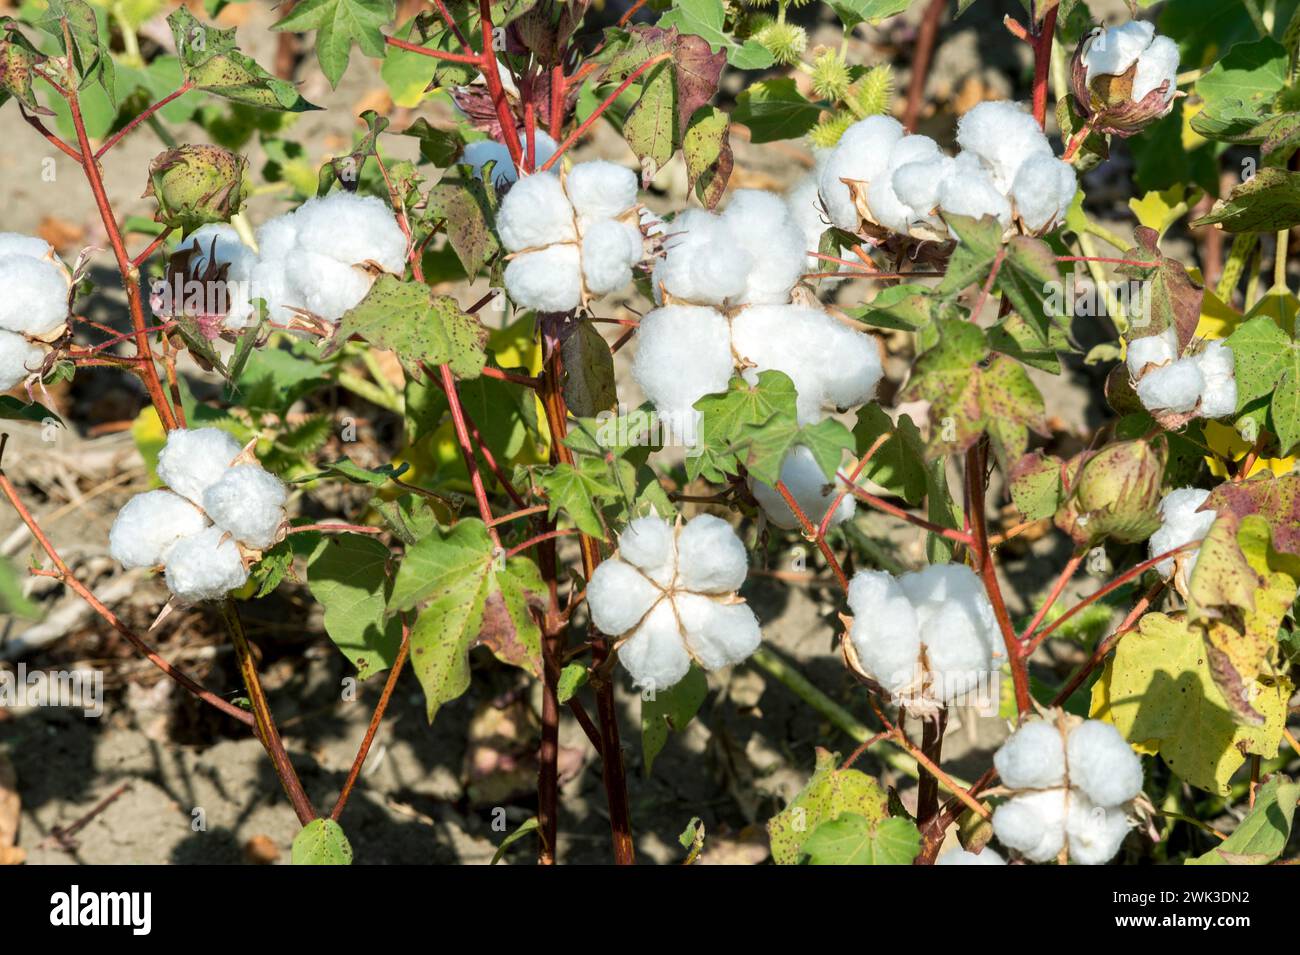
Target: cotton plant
1125,77
219,510
1199,385
35,287
1073,785
1183,520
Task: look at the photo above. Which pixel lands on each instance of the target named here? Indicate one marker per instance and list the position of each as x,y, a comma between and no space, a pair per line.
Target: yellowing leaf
830,793
1160,210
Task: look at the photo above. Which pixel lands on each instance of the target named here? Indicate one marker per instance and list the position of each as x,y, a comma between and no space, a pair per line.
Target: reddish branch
142,117
925,42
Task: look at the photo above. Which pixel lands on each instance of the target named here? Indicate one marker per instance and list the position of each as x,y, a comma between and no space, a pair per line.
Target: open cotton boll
534,213
809,487
1043,191
249,502
850,364
760,223
1158,349
682,354
352,229
702,263
957,649
149,524
655,655
955,586
969,190
1103,764
1158,64
861,155
885,632
325,286
277,237
1095,833
1180,523
718,634
549,280
204,566
1174,387
270,282
1112,52
957,856
1033,824
1033,757
194,459
1219,396
18,359
886,207
1003,136
28,246
648,543
618,596
917,184
710,557
608,254
807,212
35,298
601,190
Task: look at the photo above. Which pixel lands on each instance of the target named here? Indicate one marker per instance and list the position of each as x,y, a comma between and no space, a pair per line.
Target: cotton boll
270,282
1103,764
549,280
249,502
718,634
204,566
352,229
35,296
1033,824
957,650
1174,387
969,190
219,244
148,525
1180,523
760,223
1157,65
1114,51
682,355
850,364
535,213
1219,396
861,155
918,183
1158,349
193,460
952,588
655,655
956,856
601,190
608,254
1216,361
710,557
480,152
886,207
1095,833
325,286
619,595
1043,191
28,246
885,632
1003,136
18,359
648,543
1033,757
806,209
277,237
702,263
809,487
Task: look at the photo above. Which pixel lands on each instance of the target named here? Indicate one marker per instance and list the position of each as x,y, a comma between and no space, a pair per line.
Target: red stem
447,55
129,127
534,541
921,62
1042,45
810,531
1055,595
957,537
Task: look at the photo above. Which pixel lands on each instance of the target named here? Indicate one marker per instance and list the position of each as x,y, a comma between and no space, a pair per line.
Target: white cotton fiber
1157,65
1112,52
601,190
718,634
1095,833
958,856
809,487
479,153
1158,349
648,544
955,586
682,355
702,263
1033,824
352,229
146,528
806,209
608,254
618,596
861,155
1103,764
957,647
850,364
1033,757
1219,396
1174,387
710,557
885,632
656,655
1003,136
33,295
760,223
1043,191
917,184
325,286
28,246
204,566
270,282
969,190
535,213
249,502
18,359
277,237
886,208
1180,523
193,460
548,280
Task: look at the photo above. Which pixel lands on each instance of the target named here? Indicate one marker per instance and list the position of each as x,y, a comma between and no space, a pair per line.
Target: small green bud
197,184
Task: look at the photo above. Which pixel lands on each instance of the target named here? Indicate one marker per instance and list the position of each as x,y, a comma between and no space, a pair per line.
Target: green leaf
528,825
903,307
574,490
650,127
775,109
572,677
1267,361
829,793
89,49
338,25
853,12
348,576
751,426
670,710
439,146
1259,838
1269,201
898,465
706,147
706,18
15,409
467,207
589,385
211,63
851,839
1239,90
321,842
827,440
1036,486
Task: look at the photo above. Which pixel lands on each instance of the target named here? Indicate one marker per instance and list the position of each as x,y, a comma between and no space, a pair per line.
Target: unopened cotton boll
608,254
1033,824
810,488
861,155
718,634
969,190
1003,136
1043,191
204,566
1114,51
1158,349
193,460
35,299
535,213
1103,764
601,190
1095,833
682,355
710,557
1181,522
1033,757
147,527
760,223
549,280
352,229
648,544
957,856
249,502
1157,65
19,358
655,655
618,596
1174,387
885,632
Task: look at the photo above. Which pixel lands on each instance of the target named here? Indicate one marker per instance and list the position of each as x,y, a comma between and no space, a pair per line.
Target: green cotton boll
1116,493
195,185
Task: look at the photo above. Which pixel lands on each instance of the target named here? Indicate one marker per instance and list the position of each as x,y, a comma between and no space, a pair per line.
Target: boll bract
1073,783
958,856
1125,78
669,597
809,487
1181,522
